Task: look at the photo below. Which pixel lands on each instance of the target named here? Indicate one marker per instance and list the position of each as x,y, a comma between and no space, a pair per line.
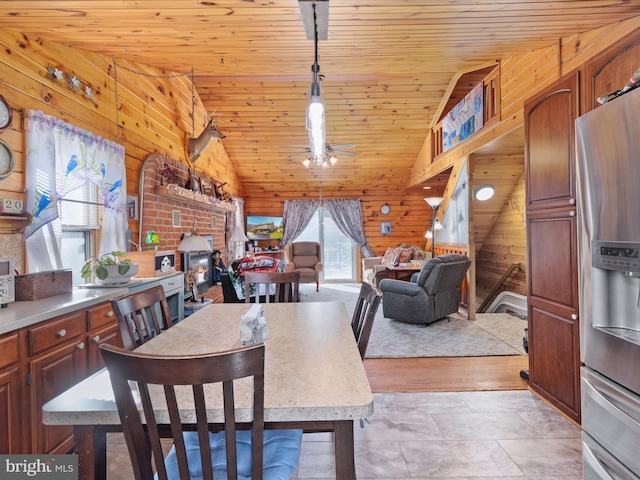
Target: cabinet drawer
172,285
8,350
56,332
100,316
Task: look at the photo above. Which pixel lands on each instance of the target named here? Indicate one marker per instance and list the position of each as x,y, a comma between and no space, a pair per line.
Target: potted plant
110,269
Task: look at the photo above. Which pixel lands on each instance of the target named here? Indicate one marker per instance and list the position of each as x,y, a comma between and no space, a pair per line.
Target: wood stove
201,263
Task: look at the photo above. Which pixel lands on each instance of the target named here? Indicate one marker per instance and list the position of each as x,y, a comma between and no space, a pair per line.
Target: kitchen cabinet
64,351
552,269
102,327
110,335
554,330
10,408
39,362
611,69
58,359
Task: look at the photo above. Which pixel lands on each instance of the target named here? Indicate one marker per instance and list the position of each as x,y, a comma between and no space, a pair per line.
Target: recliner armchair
306,258
432,294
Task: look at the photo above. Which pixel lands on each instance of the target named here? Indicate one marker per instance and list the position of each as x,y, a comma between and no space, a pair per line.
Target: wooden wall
504,245
410,215
151,113
146,110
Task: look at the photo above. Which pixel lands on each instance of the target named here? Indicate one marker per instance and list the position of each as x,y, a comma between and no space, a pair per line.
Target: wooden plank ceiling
386,64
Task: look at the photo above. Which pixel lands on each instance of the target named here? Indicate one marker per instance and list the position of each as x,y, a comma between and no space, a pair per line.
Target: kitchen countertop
23,314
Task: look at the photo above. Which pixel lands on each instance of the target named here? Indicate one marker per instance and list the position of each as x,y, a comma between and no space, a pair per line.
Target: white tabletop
313,370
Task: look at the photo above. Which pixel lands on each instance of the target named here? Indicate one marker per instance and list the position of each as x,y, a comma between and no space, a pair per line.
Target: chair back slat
141,316
364,315
287,285
168,372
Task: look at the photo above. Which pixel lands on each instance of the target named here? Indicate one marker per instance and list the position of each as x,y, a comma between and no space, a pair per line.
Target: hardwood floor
459,374
453,374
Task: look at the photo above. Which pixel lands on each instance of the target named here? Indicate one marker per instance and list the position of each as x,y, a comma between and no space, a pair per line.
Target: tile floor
437,435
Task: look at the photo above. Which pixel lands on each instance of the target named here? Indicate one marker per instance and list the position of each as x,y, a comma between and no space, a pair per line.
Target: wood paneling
149,106
386,69
504,245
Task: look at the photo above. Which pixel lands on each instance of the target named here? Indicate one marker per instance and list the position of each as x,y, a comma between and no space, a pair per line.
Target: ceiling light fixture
315,16
484,192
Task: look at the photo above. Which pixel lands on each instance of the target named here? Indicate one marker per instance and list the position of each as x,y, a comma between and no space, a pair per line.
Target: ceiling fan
330,150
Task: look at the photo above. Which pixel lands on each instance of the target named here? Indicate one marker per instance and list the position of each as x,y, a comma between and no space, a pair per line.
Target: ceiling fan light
306,162
333,160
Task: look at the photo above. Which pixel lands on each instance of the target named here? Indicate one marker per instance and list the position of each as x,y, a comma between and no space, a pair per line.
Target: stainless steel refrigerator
608,178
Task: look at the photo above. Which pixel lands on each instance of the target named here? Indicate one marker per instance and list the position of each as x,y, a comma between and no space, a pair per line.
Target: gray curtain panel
348,216
296,216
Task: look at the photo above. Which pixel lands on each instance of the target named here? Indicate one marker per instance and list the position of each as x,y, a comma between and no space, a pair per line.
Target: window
79,219
338,251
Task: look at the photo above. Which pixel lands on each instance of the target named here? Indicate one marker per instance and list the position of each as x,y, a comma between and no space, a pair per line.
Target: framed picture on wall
132,207
385,228
206,185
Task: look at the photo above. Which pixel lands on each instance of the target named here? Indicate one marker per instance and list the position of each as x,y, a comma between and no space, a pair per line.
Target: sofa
432,294
374,269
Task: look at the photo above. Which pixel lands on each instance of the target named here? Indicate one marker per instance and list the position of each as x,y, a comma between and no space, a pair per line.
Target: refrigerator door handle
610,396
590,458
600,464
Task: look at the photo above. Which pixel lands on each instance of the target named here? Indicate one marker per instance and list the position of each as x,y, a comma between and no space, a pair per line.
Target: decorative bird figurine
118,184
73,163
45,200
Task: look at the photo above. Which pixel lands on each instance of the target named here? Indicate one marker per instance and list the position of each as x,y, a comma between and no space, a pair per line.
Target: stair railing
500,285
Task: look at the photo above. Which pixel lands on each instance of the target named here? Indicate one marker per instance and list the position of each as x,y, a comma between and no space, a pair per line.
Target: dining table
314,379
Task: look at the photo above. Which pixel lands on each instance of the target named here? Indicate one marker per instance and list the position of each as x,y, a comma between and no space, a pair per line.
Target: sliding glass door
338,251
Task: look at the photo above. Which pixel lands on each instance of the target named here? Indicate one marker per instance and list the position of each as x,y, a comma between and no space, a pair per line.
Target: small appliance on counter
7,282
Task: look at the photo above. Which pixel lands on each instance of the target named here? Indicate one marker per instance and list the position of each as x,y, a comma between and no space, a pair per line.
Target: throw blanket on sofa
252,264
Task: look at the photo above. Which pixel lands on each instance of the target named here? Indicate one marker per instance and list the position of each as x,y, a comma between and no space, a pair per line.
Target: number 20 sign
9,205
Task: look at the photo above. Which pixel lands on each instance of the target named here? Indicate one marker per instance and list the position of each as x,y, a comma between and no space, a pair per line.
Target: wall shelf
189,196
18,222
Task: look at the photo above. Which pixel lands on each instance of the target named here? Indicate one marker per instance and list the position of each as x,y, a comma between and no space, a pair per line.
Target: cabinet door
110,335
10,412
10,409
552,257
611,69
51,375
554,355
554,336
550,145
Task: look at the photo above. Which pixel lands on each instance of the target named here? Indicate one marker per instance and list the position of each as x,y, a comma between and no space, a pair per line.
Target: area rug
494,334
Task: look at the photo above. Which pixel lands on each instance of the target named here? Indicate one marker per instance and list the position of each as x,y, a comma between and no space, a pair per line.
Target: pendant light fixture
315,15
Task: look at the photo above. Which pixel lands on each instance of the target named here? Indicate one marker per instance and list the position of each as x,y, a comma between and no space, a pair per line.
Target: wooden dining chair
287,285
364,315
141,316
245,451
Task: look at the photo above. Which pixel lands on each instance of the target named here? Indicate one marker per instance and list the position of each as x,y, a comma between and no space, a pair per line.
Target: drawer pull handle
62,333
81,346
110,313
96,338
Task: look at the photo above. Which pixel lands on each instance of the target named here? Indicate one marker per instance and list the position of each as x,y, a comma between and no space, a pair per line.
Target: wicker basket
36,286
